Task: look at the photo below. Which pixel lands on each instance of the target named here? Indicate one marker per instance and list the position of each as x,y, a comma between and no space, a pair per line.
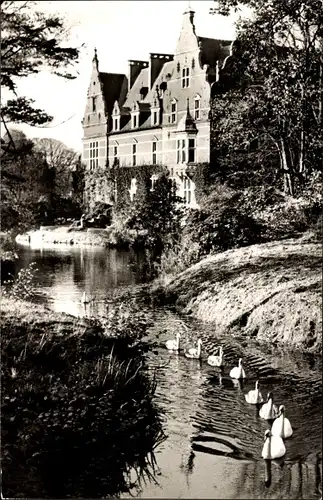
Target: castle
156,115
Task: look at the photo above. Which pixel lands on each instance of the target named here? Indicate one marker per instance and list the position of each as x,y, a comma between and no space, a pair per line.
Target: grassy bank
270,292
77,406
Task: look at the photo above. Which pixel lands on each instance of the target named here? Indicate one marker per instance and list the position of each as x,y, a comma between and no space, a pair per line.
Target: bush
22,286
77,410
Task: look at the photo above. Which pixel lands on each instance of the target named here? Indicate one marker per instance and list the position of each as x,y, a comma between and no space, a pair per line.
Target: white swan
216,360
254,397
173,345
269,411
238,371
194,352
274,446
281,426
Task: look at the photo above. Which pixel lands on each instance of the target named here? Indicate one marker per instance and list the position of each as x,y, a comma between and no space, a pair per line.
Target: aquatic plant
78,412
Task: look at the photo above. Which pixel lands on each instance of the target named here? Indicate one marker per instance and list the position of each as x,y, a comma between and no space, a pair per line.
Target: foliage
22,286
31,41
160,215
123,176
77,412
78,182
33,176
24,181
119,231
99,216
61,160
267,124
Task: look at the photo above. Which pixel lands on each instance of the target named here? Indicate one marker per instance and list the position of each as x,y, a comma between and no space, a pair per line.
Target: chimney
134,69
156,63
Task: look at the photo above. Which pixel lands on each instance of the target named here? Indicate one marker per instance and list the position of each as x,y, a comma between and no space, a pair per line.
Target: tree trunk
288,184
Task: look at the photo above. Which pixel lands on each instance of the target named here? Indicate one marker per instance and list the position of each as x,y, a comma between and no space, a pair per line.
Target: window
153,179
154,151
191,150
93,104
185,77
134,155
173,112
187,190
135,121
133,189
115,155
155,117
94,155
197,106
181,151
115,124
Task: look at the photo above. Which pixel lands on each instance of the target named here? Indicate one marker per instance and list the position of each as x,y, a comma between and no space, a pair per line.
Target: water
215,438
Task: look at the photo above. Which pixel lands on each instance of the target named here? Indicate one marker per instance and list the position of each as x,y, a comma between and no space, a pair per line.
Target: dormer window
93,104
135,115
116,123
173,115
197,108
143,93
163,88
155,117
185,77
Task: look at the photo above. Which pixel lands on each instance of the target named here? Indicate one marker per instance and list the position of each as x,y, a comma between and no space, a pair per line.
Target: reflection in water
215,438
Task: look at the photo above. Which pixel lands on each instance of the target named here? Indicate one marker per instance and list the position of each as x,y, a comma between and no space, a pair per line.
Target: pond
214,438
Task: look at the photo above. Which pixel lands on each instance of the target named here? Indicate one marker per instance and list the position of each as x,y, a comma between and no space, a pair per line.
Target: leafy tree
78,181
160,214
270,121
31,41
61,160
23,185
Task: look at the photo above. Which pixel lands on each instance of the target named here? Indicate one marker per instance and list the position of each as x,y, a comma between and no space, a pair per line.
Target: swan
254,397
216,360
173,345
269,411
273,447
238,372
281,426
194,352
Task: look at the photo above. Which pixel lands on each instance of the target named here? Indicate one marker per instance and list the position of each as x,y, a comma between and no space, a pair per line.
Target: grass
269,291
78,413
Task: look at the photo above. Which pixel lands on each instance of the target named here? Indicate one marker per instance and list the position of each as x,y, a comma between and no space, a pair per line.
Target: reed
78,412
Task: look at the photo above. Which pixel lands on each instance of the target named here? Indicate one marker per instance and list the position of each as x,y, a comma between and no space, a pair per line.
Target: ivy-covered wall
113,185
142,173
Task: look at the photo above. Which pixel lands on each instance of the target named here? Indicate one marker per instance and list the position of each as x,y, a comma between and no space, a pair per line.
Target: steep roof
213,50
114,88
142,80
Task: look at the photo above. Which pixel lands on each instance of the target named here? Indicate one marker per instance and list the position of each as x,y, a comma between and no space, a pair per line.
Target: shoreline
271,292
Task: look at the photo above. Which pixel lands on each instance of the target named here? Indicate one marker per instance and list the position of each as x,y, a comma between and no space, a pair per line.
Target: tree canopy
270,121
31,41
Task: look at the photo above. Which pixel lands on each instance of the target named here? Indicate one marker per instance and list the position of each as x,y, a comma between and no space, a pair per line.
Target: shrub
77,411
23,285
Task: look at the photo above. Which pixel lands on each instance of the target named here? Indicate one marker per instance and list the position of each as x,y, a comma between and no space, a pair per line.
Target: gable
114,87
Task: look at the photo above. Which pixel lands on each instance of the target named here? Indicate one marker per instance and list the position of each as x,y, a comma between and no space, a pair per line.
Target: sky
120,30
